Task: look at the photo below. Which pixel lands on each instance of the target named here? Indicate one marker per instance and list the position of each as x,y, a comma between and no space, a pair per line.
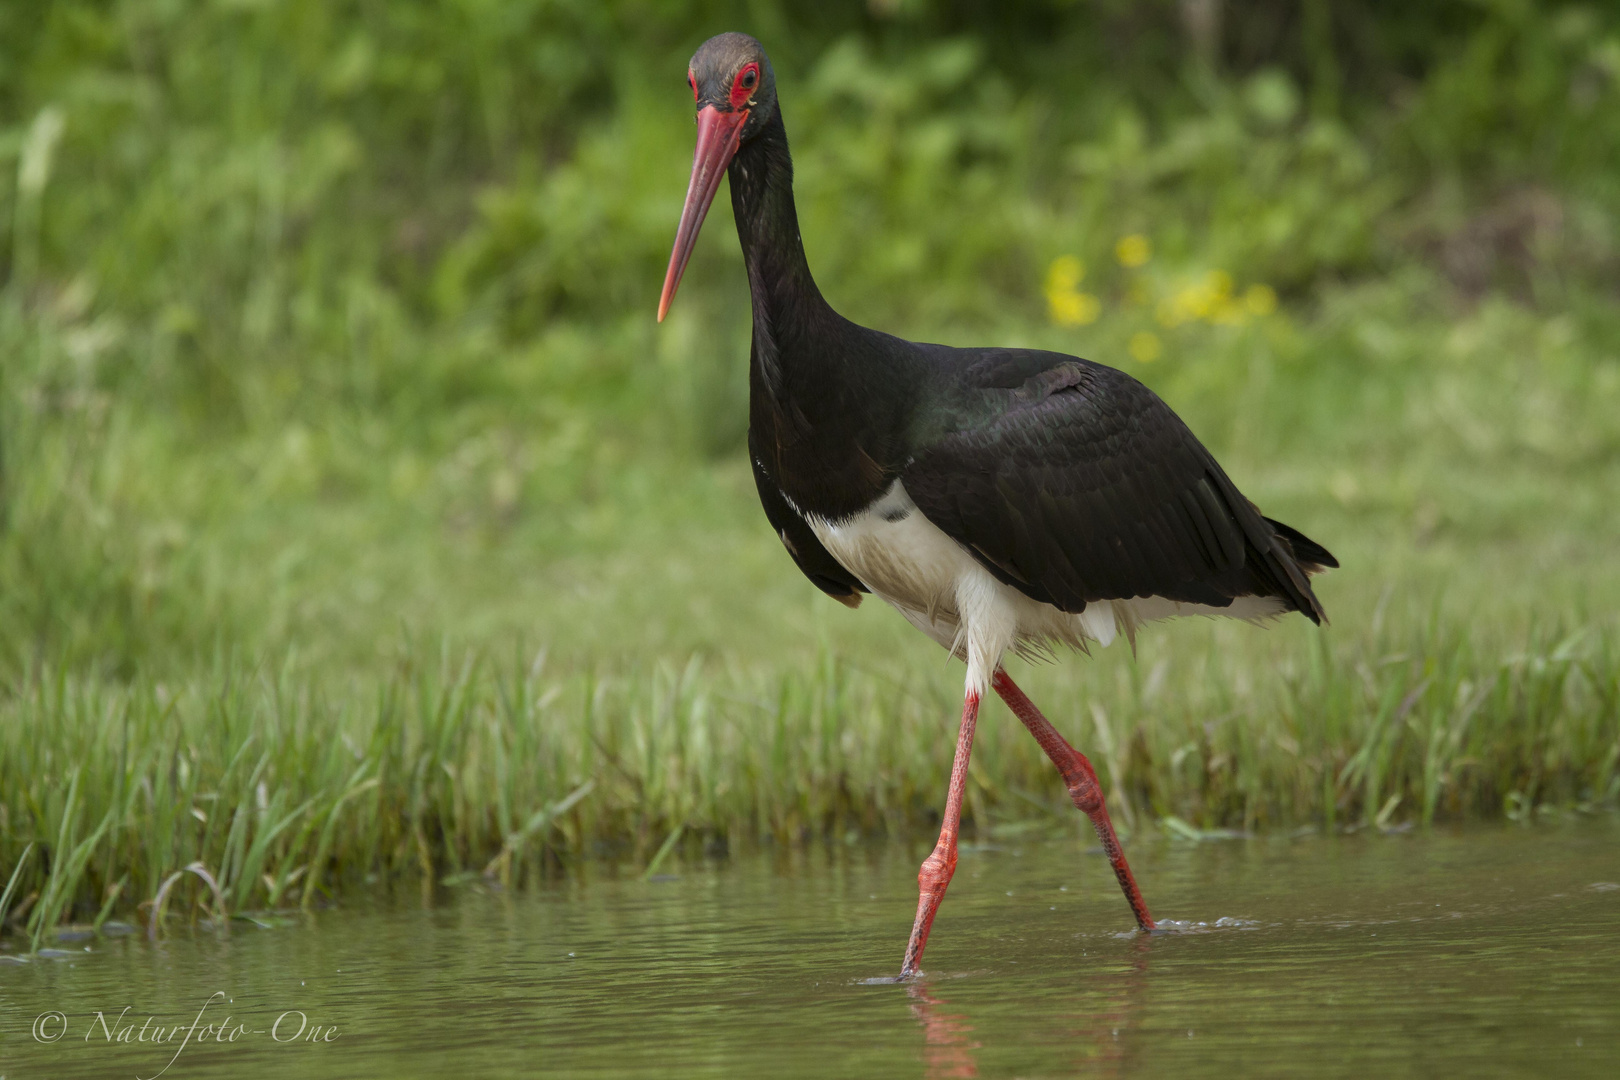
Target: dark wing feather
813,560
1312,557
1081,485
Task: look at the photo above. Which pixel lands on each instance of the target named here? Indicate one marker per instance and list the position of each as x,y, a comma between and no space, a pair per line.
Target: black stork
1000,499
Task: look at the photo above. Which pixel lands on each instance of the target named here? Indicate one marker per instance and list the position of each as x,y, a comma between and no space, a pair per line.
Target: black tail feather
1311,556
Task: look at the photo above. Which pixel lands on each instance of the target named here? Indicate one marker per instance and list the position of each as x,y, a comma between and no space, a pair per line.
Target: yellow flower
1065,273
1209,299
1145,346
1066,304
1260,299
1073,308
1133,250
1229,311
1189,303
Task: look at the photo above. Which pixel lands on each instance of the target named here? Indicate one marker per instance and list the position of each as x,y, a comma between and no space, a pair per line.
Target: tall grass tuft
272,791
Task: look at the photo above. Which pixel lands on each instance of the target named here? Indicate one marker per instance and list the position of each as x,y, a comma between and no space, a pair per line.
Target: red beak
718,135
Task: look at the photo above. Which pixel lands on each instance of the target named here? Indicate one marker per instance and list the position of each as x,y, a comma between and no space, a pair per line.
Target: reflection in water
1489,952
947,1036
1104,1031
1109,1002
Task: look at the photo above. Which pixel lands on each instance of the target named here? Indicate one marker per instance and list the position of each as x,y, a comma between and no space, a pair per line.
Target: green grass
330,398
444,767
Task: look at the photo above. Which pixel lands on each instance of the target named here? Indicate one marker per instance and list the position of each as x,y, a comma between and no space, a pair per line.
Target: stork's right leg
937,869
1084,789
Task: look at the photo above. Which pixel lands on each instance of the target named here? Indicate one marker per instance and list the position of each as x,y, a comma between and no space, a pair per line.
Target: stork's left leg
1084,789
937,869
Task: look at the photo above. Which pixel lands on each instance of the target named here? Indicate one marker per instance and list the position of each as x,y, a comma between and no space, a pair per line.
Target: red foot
932,879
937,869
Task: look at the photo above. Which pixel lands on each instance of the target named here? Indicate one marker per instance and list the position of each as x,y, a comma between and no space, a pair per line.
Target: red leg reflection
1083,788
1112,1005
947,1037
937,869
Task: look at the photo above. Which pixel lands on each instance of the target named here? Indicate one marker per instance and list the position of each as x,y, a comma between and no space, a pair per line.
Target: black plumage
1079,484
1067,479
813,560
989,494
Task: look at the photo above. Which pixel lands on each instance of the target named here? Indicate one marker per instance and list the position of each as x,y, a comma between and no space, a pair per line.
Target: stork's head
735,91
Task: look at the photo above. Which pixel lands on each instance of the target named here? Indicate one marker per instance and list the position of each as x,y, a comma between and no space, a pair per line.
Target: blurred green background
328,342
327,323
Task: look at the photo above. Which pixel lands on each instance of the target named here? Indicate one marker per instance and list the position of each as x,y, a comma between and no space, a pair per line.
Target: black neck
786,301
828,400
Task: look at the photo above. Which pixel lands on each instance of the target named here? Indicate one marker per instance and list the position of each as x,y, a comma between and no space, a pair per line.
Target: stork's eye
691,80
742,85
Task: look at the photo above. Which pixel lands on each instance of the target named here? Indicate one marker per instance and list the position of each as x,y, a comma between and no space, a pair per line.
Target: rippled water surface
1488,952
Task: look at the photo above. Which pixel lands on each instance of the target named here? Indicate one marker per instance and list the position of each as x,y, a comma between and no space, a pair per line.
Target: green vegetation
450,769
331,396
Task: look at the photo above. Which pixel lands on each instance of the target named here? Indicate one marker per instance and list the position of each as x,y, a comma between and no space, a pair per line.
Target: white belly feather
905,559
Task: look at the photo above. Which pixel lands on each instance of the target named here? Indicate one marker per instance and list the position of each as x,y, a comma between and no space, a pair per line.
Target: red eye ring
691,80
744,85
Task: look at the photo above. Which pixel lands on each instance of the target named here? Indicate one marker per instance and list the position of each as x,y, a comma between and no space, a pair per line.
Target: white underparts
943,591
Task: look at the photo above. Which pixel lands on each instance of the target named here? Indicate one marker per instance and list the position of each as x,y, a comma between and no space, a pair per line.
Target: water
1479,952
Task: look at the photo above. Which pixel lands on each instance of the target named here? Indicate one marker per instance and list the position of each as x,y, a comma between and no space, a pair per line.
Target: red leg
1083,787
937,869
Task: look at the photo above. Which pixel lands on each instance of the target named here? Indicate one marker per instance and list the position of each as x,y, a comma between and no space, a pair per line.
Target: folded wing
1080,485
